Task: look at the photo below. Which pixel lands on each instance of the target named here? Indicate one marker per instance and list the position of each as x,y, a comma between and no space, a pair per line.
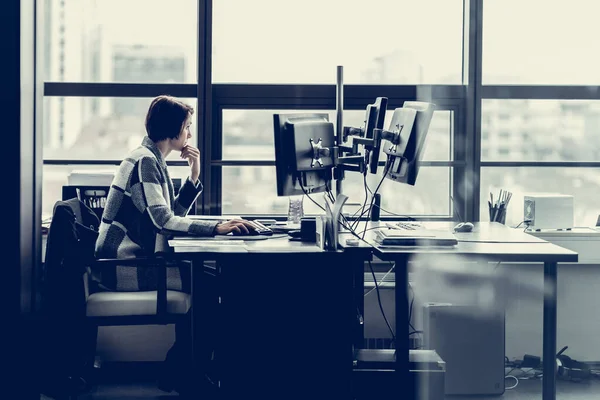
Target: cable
516,382
344,222
357,221
307,195
410,309
352,231
525,221
373,228
382,279
375,192
394,214
379,301
372,197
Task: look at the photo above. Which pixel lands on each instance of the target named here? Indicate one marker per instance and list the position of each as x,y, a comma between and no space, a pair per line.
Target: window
538,42
106,128
556,130
582,183
56,176
384,42
100,77
94,41
252,190
248,134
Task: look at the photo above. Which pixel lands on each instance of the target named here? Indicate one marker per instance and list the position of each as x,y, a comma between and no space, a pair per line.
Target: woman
142,211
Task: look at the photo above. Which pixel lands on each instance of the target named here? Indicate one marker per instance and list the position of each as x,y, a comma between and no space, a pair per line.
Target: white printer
548,211
91,178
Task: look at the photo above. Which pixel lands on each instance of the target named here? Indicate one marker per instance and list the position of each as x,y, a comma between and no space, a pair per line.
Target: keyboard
261,229
415,237
407,226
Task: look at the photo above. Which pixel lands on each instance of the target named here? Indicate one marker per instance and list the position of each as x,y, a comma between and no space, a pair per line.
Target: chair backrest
70,246
93,197
69,250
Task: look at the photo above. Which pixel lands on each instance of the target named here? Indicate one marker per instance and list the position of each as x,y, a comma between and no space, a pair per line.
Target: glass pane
248,134
540,130
120,41
56,176
253,190
429,196
97,128
540,42
384,42
582,183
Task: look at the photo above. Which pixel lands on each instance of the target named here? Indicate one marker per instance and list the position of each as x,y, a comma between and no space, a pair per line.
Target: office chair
78,308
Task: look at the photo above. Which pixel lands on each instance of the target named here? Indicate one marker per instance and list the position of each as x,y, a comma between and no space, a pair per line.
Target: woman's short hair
165,118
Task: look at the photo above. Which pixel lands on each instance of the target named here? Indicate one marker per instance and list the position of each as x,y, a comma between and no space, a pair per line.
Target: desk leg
197,272
359,300
405,384
549,332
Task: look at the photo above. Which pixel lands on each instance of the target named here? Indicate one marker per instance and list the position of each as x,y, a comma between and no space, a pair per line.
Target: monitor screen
412,120
303,153
374,119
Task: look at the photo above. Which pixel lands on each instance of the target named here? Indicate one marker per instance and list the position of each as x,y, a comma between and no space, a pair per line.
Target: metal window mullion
546,92
271,163
64,162
204,98
459,176
113,89
541,164
216,200
472,65
356,91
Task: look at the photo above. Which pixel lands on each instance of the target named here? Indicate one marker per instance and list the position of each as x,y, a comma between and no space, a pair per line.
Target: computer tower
471,342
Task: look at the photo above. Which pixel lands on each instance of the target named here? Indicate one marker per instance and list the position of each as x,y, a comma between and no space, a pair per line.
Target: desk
492,242
289,317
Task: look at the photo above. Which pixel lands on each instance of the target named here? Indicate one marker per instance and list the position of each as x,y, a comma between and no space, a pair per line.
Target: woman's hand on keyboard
235,226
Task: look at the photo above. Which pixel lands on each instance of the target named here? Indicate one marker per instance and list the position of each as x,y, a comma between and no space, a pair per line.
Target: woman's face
181,141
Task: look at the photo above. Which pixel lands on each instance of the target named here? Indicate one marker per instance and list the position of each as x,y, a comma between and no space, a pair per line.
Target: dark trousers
178,363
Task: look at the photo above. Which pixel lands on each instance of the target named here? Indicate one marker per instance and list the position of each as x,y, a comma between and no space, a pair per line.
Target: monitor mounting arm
318,151
391,136
347,158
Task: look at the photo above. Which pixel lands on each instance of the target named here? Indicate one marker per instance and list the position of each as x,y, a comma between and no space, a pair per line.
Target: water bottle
295,210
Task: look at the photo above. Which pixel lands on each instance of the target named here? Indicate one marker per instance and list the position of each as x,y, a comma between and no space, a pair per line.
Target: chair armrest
161,289
131,262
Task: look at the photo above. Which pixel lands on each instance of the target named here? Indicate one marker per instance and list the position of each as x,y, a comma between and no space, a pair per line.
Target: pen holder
497,214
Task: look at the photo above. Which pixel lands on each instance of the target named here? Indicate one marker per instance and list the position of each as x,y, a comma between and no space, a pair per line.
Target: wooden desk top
214,246
490,240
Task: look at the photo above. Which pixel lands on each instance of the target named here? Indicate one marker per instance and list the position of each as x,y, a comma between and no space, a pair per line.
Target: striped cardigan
140,215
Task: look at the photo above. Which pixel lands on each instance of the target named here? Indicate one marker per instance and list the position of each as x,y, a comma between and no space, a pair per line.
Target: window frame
320,97
464,100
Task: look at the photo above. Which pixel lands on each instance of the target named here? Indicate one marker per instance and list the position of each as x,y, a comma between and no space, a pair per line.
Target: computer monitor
374,118
412,121
303,153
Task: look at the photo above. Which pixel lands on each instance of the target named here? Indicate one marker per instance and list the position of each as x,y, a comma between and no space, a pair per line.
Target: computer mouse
464,227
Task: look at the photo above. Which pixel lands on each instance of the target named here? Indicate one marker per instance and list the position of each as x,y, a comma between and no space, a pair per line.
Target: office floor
526,390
